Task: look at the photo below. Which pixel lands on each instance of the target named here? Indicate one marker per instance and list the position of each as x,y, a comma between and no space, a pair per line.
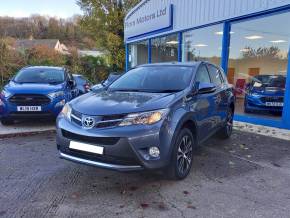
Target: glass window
165,49
203,44
138,53
155,79
258,65
202,75
215,75
39,75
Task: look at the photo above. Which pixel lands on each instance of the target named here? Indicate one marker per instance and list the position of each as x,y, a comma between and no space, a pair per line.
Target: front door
203,105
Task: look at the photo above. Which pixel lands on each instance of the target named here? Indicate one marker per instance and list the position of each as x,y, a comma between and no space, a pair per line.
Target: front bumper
125,148
256,103
117,167
9,110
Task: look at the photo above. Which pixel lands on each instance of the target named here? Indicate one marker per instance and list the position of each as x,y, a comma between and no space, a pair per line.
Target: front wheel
227,129
182,155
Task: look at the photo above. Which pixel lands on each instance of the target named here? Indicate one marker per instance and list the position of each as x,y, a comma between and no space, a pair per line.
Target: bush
95,69
10,60
42,55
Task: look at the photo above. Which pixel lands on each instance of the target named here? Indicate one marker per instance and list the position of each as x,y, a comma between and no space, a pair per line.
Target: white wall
193,13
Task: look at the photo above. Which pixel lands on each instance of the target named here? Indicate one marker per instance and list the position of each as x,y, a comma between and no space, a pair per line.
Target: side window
69,76
202,75
215,75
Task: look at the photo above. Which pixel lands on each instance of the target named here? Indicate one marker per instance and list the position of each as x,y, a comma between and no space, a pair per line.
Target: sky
53,8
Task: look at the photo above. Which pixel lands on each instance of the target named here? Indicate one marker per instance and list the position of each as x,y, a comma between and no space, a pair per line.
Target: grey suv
151,118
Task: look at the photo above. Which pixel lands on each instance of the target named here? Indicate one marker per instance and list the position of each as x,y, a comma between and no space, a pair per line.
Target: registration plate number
274,104
29,108
86,147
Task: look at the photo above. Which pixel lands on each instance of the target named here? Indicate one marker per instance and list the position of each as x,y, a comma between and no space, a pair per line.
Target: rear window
40,76
80,80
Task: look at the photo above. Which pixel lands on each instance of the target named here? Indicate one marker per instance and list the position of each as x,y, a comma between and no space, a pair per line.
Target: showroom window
138,54
258,65
203,44
165,49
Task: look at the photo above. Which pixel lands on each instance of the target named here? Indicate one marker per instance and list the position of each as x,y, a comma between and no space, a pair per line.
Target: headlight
56,94
66,111
5,93
145,118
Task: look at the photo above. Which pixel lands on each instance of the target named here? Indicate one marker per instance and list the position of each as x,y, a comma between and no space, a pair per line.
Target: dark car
150,118
36,92
83,84
265,93
111,78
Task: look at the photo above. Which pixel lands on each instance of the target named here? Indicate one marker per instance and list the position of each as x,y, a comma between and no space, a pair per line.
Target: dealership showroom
248,39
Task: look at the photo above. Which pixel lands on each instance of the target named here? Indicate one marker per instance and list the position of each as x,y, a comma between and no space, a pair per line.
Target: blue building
249,39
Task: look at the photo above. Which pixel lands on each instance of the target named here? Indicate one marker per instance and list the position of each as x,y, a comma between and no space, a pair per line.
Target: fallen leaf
133,188
276,165
144,205
191,207
162,206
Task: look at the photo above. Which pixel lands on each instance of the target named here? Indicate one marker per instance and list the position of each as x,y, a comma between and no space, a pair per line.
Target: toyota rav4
151,118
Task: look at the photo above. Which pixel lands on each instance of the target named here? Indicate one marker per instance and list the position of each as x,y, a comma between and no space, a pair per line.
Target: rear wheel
182,155
227,130
7,122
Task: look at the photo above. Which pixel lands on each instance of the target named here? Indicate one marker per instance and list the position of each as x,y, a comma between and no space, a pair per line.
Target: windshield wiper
166,91
127,90
54,83
147,90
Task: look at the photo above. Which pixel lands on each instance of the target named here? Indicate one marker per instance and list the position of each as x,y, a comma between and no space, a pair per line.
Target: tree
42,55
103,20
10,60
262,52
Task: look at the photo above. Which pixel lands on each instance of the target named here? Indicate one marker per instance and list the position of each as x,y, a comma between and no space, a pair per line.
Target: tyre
7,122
182,156
227,129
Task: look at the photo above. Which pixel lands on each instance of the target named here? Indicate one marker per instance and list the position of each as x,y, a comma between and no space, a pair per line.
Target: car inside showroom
248,39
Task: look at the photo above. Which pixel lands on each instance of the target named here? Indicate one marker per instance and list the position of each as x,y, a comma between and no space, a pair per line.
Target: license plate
28,108
274,104
86,147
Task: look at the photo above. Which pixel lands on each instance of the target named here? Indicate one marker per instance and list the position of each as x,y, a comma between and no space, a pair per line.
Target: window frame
220,76
198,69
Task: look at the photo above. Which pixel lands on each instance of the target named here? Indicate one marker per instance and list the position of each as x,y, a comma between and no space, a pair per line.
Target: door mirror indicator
205,88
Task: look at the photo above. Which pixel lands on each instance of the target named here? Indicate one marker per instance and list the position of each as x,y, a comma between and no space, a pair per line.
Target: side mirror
72,83
205,88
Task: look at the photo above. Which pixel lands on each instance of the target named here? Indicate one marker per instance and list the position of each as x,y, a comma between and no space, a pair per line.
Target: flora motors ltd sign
157,20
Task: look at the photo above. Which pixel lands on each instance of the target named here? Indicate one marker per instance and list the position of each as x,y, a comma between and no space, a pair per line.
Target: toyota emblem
88,122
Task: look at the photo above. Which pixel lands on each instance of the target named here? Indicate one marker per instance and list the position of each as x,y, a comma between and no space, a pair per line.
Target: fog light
154,152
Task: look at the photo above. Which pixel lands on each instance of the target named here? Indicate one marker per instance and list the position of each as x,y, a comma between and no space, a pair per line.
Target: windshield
154,79
40,76
270,81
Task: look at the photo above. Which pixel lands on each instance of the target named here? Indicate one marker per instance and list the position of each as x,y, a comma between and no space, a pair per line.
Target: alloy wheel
184,154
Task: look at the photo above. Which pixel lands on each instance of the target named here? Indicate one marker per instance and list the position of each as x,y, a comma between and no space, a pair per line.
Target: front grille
90,139
129,161
272,99
29,99
105,121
